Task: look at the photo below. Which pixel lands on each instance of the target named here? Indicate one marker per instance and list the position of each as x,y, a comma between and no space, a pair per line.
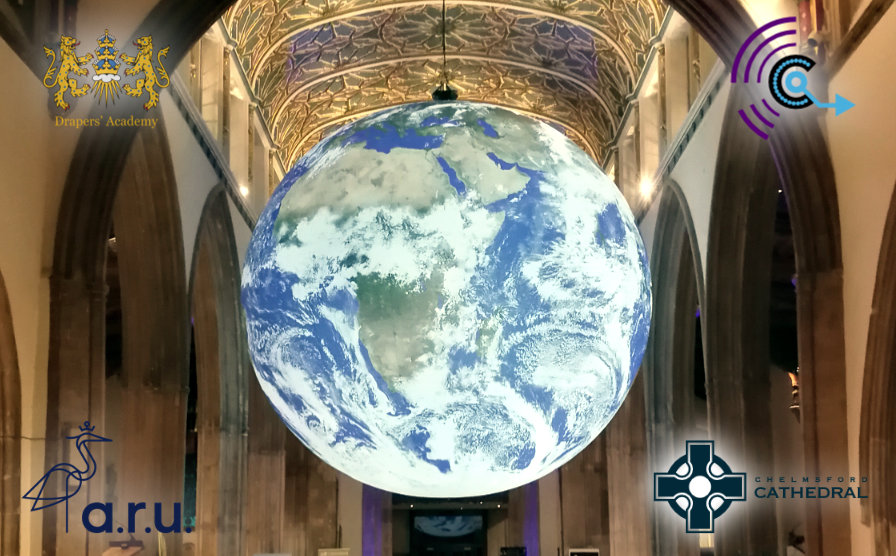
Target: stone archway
736,319
76,374
674,413
877,440
10,435
222,380
151,399
799,153
144,463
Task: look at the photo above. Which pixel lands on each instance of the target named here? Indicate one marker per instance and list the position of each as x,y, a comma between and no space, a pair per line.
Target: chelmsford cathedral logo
61,75
700,486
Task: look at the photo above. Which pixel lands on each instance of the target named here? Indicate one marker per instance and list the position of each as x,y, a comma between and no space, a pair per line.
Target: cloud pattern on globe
446,299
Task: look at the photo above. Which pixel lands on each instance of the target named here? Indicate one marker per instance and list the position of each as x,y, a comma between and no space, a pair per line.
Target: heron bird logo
70,475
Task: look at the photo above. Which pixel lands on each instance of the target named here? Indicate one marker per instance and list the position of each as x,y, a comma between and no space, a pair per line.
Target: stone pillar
583,498
677,82
225,101
823,403
155,341
522,518
10,431
310,503
376,518
628,476
267,476
550,526
222,382
695,79
76,369
273,182
349,513
663,118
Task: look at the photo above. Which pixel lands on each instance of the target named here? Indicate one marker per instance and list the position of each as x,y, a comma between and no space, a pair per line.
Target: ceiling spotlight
244,191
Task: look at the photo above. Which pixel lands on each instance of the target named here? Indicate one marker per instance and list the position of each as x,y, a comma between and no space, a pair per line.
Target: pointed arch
11,432
76,363
799,154
735,315
673,410
877,437
222,380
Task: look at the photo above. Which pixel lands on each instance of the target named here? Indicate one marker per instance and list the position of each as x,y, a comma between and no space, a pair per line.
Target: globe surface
446,299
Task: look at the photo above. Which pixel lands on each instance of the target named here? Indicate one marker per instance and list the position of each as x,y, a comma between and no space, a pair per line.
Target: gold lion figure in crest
142,63
69,63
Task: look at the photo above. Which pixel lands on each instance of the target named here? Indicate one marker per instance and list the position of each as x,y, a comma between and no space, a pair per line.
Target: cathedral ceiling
317,64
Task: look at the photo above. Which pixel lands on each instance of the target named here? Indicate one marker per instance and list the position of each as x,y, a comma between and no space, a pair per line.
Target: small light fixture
646,187
795,393
244,191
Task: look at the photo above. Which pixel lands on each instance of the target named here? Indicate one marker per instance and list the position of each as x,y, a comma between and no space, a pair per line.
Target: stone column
376,522
663,118
267,475
10,431
628,476
522,518
583,499
225,100
155,340
76,368
222,383
823,403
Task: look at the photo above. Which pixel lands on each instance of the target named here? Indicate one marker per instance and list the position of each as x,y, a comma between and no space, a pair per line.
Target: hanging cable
444,43
444,91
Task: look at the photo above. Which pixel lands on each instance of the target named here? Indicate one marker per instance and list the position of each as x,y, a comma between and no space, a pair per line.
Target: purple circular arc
759,48
770,109
751,38
770,54
751,125
761,117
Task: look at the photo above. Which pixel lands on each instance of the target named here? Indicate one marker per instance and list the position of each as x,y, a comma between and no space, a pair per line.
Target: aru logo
63,481
106,79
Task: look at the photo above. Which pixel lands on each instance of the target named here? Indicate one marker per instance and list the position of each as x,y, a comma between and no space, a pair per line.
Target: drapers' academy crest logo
66,66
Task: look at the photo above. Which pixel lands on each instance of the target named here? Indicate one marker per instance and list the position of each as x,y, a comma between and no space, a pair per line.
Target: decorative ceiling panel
314,63
347,97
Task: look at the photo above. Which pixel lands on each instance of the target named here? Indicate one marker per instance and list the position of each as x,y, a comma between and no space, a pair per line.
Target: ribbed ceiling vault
316,64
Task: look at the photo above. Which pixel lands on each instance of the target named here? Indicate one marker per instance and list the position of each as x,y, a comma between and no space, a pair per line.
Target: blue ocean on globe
446,299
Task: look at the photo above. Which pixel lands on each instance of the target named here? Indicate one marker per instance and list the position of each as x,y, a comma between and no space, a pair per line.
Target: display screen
448,525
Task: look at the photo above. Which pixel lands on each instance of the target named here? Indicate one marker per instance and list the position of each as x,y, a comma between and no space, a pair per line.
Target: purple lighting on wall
373,501
530,521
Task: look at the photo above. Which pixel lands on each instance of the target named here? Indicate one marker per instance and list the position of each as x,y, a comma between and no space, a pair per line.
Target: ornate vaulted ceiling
316,64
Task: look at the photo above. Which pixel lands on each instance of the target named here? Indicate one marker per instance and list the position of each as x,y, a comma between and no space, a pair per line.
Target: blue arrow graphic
840,104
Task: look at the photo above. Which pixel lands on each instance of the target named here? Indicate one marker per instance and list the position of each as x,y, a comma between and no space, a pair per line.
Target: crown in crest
86,427
106,64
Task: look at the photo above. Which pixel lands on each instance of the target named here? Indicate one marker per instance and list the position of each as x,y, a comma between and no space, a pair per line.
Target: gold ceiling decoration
317,64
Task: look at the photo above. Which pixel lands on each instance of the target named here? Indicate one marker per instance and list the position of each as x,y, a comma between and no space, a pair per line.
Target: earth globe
446,299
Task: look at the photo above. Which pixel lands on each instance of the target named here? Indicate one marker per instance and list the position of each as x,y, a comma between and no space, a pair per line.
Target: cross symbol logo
700,486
